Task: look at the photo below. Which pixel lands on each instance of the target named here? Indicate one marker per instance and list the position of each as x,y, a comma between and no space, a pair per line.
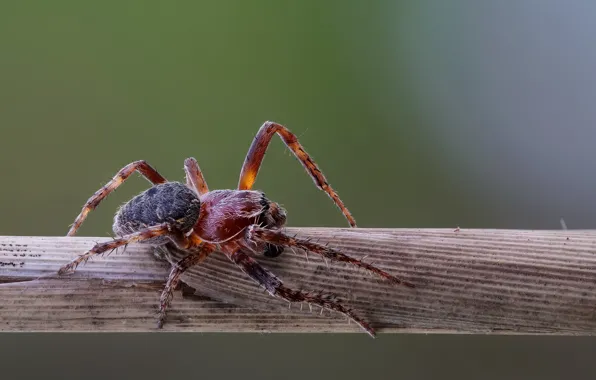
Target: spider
236,223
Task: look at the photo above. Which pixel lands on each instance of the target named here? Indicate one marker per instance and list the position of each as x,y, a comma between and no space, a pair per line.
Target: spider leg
194,176
256,153
275,287
174,278
141,166
259,234
144,234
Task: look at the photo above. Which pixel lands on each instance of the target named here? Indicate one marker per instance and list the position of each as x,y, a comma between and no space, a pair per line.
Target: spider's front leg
141,166
256,153
259,234
275,287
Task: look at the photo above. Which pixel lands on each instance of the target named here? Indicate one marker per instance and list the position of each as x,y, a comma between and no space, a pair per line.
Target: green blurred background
475,114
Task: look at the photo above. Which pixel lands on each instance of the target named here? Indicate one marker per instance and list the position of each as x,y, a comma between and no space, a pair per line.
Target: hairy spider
233,222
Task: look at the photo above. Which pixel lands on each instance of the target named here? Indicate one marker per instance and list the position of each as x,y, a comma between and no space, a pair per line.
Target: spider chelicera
236,223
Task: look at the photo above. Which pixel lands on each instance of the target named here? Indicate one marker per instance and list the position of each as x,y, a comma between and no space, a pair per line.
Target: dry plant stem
487,281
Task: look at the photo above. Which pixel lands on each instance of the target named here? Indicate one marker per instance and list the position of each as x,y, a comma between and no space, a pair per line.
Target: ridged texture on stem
489,281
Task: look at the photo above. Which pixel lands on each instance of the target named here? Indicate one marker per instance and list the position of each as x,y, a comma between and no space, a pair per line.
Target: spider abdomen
167,202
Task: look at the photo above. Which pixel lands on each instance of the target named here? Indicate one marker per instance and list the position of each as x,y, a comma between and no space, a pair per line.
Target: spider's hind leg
139,236
275,287
140,166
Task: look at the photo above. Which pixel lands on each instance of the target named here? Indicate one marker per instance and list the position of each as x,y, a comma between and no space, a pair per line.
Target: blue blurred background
475,114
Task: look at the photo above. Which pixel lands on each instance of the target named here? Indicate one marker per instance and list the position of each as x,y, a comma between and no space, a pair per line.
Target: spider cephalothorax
237,223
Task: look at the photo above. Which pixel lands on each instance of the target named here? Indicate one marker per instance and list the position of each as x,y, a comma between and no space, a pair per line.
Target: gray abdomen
168,202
